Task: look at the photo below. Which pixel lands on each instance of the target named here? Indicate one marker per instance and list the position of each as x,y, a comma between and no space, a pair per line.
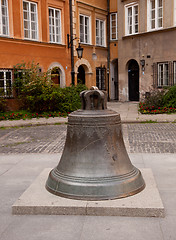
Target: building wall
152,46
15,49
93,56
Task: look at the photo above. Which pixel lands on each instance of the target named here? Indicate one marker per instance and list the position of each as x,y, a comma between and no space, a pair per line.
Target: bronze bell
94,164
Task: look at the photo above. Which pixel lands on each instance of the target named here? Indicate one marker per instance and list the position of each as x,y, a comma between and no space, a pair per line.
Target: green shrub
2,105
169,98
39,94
157,101
154,100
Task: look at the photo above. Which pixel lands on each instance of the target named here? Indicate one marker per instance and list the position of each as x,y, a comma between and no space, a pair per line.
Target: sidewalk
18,172
128,112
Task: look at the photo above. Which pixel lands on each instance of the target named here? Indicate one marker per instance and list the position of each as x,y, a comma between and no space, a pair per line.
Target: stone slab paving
20,171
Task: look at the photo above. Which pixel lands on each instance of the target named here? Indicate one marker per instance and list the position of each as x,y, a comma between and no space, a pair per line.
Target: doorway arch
81,75
61,72
133,80
56,75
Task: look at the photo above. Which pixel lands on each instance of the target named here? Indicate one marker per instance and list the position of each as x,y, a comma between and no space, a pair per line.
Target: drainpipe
108,42
71,43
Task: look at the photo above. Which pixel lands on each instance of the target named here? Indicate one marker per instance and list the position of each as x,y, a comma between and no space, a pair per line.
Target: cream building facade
146,47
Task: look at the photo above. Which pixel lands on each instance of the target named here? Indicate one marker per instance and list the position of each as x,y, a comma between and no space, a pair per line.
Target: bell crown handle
93,99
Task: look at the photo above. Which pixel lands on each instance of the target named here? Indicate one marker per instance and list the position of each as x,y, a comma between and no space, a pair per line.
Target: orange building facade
95,26
38,31
33,31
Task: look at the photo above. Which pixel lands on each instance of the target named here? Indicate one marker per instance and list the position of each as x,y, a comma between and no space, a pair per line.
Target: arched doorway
81,75
133,80
55,75
57,68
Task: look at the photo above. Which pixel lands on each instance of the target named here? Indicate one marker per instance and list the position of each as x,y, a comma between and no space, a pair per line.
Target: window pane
1,75
1,83
8,83
33,7
8,75
25,6
160,3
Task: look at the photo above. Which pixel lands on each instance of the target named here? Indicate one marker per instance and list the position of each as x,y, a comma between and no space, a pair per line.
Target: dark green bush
38,93
154,99
157,101
169,98
2,105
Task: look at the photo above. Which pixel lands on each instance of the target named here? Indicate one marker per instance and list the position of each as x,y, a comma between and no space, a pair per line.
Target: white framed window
100,32
155,14
4,18
163,74
5,83
174,13
55,25
84,25
30,20
174,73
131,19
113,26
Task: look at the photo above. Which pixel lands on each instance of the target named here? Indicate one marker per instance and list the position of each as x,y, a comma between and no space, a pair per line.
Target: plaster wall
153,47
93,56
15,49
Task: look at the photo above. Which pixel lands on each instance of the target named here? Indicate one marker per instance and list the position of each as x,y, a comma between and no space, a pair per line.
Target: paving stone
138,138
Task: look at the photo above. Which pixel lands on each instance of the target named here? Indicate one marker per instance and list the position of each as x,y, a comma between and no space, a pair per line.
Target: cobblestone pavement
139,138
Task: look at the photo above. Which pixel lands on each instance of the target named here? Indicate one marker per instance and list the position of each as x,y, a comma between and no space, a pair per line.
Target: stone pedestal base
37,200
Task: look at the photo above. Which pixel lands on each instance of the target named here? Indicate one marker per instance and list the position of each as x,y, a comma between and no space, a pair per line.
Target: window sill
21,40
150,32
114,40
98,46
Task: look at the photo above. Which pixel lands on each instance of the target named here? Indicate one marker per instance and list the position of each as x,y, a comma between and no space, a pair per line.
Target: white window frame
113,29
55,31
83,34
156,16
174,73
30,21
163,74
100,32
133,24
4,17
174,13
5,83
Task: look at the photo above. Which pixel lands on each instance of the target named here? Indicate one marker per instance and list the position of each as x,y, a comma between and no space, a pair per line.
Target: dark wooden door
133,81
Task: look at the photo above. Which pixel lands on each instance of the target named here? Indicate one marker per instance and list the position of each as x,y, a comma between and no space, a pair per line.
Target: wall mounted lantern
79,49
142,62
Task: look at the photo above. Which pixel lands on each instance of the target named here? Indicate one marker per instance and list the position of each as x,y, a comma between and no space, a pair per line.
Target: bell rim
94,197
